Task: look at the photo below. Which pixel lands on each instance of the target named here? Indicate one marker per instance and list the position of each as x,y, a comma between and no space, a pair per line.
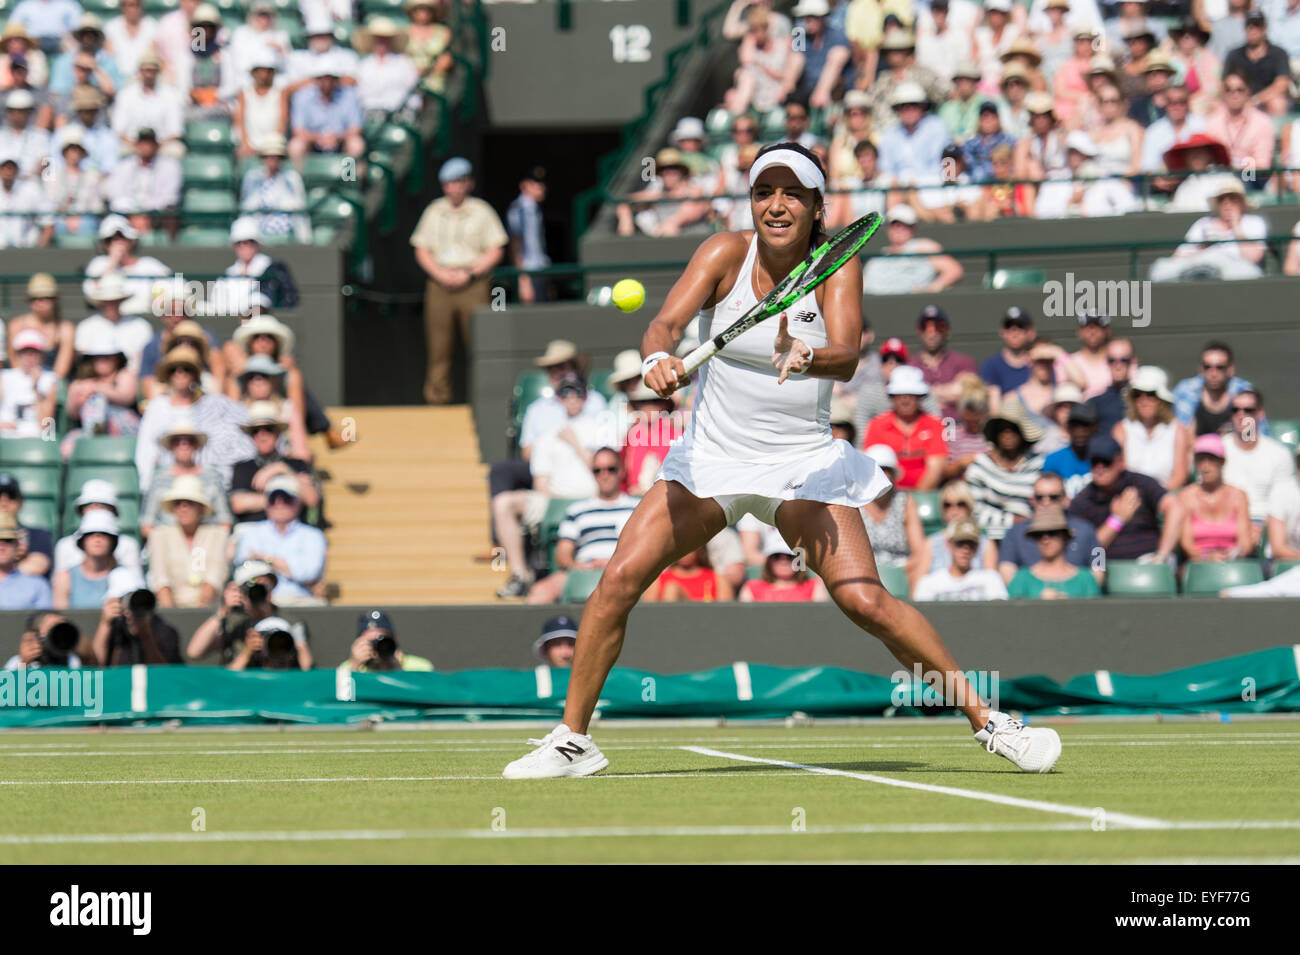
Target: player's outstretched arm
693,291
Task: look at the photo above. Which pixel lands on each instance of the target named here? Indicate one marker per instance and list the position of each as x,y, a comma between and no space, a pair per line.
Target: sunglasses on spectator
1209,367
279,497
952,504
1120,361
1041,534
971,544
262,429
605,470
1100,462
1049,497
1237,409
1235,89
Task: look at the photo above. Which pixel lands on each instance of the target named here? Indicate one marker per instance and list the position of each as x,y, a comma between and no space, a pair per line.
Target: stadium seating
128,515
103,450
529,386
579,584
929,510
600,382
1208,578
548,533
39,512
1015,278
1286,430
1282,566
123,477
895,581
36,481
1128,578
30,451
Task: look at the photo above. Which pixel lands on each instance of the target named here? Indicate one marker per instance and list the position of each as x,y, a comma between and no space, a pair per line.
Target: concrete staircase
408,504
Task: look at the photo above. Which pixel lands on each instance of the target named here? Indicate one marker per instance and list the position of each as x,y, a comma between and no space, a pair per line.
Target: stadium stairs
407,504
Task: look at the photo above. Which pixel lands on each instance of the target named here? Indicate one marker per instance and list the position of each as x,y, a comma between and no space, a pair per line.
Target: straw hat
1023,46
182,427
42,285
627,365
909,93
265,325
14,30
1046,519
557,352
262,414
1040,102
180,356
273,144
187,487
1014,71
363,36
1013,412
87,97
188,328
109,288
261,365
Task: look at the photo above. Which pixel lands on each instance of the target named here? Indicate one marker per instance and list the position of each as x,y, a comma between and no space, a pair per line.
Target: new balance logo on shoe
570,750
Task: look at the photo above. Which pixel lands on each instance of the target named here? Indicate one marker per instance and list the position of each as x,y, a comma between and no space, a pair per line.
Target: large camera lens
279,644
62,638
255,592
141,603
384,647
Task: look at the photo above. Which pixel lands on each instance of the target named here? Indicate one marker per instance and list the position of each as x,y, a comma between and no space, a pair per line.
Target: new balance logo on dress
804,316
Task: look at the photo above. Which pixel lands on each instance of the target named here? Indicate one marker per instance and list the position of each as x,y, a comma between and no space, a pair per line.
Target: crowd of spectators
95,111
1023,474
950,111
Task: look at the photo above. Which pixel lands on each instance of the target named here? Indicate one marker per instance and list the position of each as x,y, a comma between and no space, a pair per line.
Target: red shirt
701,586
764,592
912,447
644,448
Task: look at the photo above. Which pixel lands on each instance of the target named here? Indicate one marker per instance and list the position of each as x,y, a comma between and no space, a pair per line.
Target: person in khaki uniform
458,241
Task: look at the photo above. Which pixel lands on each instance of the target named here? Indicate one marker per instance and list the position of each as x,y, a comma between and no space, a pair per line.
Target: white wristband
808,366
651,361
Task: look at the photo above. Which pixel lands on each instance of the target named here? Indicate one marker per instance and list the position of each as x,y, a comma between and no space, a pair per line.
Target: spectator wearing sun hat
266,335
916,437
386,75
179,330
261,107
1002,479
30,225
119,253
458,241
18,590
148,102
1228,244
129,331
318,30
645,209
187,558
35,545
263,380
73,188
85,108
43,316
254,271
85,584
326,116
249,478
102,399
822,52
183,442
911,149
907,263
873,397
961,580
296,551
88,35
257,37
428,42
96,494
27,391
274,191
21,136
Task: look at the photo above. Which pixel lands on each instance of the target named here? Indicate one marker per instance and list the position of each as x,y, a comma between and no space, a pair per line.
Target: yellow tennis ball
629,295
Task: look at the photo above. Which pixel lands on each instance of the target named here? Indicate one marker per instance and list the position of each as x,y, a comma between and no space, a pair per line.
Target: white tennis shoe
1035,749
561,752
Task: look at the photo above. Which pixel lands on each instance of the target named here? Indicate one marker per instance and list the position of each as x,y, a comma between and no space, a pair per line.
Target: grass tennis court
1173,791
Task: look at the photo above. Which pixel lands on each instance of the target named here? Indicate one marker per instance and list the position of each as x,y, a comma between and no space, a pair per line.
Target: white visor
804,169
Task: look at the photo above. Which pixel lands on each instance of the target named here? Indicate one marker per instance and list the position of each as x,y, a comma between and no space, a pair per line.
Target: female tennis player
759,442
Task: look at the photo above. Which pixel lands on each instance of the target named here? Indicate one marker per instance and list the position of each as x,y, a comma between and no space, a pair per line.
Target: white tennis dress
752,443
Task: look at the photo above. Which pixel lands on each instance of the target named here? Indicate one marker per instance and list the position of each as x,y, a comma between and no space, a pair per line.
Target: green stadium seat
718,122
578,586
1286,430
155,239
104,9
529,386
1208,578
1128,578
159,8
930,510
77,241
1282,566
772,124
895,581
548,532
35,480
753,572
103,450
327,169
599,381
128,515
324,234
1015,278
39,512
209,135
31,451
121,476
206,237
208,203
208,170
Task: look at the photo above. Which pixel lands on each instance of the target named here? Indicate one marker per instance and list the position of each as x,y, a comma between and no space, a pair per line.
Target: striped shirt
594,524
1002,496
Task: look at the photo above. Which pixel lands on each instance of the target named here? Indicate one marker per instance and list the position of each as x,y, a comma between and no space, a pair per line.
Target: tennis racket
823,262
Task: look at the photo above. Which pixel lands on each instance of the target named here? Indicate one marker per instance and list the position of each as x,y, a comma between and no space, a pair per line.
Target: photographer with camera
245,603
18,591
129,631
48,640
375,648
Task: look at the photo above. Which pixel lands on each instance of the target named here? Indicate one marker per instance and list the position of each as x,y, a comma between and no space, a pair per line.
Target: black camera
140,603
385,647
57,642
255,591
279,646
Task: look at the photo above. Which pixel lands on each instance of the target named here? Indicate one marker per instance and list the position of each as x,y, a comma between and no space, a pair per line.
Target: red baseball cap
894,346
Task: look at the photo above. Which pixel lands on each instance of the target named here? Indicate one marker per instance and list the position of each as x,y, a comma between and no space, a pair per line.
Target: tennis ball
629,295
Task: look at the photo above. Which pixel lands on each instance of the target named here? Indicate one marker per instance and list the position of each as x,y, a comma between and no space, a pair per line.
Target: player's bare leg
837,547
669,523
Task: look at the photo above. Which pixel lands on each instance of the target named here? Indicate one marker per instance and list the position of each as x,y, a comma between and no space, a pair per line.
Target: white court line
1118,819
1178,860
353,779
592,832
